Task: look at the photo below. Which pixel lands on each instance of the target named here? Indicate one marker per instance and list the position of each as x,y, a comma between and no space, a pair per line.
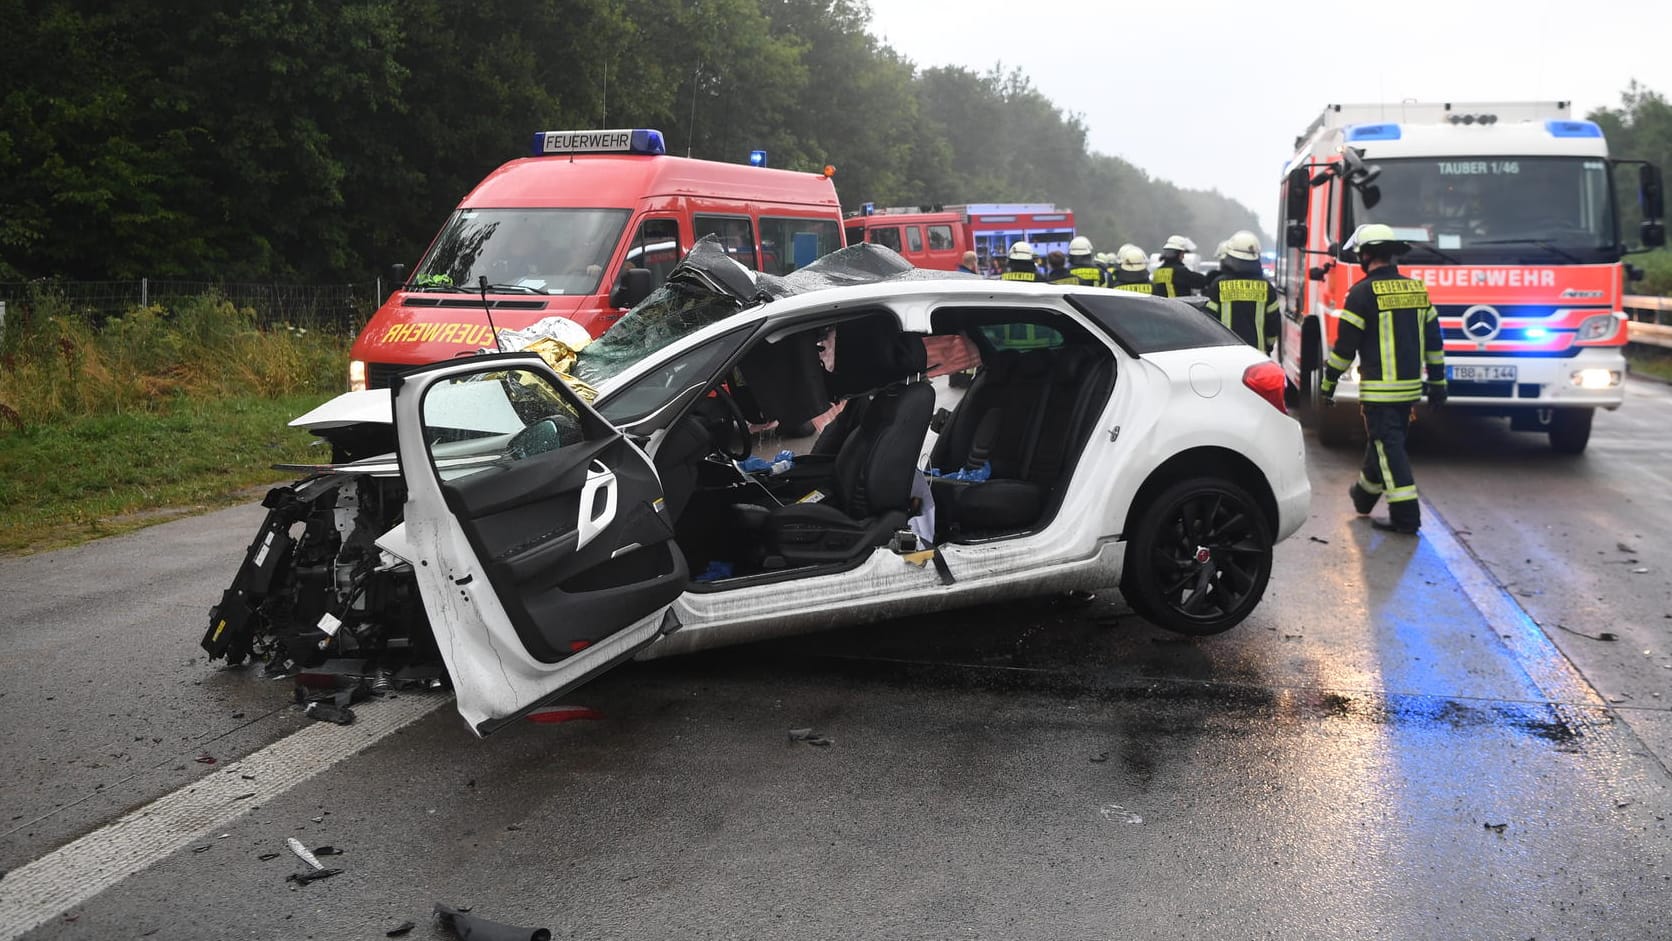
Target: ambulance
1514,219
584,228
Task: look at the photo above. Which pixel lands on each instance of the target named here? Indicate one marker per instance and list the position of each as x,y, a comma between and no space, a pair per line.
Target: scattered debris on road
1497,828
470,927
810,737
400,930
314,875
1115,813
303,853
1099,758
1322,542
550,715
1601,635
205,759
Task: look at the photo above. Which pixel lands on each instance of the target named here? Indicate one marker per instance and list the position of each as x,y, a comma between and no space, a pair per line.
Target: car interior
992,462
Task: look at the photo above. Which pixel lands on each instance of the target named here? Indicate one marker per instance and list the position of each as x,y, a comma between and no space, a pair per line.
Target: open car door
536,531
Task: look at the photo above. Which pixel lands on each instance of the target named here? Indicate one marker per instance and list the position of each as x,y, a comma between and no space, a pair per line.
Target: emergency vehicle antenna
482,282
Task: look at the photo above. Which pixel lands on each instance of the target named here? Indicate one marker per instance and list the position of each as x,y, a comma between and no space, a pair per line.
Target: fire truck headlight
1600,328
356,376
1596,378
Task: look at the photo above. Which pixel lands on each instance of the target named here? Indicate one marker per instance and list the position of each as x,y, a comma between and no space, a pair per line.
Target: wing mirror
1294,235
634,286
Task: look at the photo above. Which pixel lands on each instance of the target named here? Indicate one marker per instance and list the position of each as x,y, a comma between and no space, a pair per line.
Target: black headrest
1033,364
1074,363
1000,365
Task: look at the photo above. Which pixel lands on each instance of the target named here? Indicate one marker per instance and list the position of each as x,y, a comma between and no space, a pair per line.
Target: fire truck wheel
1570,430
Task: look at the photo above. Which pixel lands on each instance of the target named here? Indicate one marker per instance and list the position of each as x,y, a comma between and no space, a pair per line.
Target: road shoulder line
50,886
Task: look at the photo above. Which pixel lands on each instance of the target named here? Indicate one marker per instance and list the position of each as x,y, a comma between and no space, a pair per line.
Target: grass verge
1650,361
83,477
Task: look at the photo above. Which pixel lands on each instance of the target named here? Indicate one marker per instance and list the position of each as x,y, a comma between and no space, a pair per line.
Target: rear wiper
1545,244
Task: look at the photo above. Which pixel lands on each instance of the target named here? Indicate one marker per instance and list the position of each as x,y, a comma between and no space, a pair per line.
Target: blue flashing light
757,158
1363,132
1573,129
619,141
1535,333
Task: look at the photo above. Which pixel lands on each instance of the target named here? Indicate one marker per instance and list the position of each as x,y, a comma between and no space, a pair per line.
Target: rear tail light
1267,380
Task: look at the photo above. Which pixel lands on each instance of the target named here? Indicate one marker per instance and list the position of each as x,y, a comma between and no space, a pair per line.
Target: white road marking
50,886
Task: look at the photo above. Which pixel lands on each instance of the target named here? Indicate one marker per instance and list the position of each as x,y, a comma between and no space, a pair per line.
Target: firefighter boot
1363,500
1403,518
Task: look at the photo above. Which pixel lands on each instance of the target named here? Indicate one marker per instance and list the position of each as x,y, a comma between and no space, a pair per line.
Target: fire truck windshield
523,251
1500,209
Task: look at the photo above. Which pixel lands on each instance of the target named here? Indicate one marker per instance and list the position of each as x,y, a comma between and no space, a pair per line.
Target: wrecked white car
483,513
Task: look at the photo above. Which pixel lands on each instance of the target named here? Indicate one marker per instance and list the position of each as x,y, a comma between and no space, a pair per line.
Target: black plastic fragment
476,928
303,878
266,856
400,930
330,712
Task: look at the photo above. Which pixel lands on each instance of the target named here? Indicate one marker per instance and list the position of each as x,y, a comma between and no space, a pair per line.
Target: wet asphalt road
1371,755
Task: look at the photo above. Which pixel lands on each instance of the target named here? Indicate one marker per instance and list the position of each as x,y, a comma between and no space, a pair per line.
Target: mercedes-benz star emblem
1481,323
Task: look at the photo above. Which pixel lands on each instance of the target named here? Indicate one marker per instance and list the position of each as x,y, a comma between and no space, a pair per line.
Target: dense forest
323,139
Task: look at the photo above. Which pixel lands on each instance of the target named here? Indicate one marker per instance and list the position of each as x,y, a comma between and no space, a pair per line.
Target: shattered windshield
525,251
672,311
1486,208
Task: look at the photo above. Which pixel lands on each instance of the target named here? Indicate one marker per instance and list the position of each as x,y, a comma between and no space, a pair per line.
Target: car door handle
598,477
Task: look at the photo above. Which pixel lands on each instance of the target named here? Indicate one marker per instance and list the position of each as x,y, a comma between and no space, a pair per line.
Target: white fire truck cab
1515,222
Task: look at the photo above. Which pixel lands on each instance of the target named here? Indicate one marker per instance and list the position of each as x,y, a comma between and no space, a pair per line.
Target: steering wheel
739,424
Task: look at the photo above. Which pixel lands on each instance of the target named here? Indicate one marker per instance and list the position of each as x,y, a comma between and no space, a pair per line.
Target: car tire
1199,558
1570,430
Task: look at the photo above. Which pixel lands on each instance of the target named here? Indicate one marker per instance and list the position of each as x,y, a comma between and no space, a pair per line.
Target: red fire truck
1512,211
585,228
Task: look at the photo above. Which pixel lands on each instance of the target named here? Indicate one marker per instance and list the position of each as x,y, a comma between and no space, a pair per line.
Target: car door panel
538,537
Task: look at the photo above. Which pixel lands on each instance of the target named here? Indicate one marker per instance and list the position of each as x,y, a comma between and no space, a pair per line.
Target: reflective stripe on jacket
1393,330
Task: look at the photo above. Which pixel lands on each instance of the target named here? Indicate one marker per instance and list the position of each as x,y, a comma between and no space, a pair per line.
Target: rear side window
788,244
940,238
735,233
1152,324
914,238
1022,336
856,234
887,235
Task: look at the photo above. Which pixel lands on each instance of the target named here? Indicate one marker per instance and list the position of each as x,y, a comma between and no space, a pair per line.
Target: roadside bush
57,362
1657,279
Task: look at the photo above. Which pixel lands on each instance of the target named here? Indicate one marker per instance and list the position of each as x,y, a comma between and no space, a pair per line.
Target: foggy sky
1219,106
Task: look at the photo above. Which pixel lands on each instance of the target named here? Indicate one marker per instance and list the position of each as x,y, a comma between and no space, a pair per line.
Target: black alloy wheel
1200,557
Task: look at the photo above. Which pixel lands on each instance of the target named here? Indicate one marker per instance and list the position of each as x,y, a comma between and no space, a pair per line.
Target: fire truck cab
585,228
1515,224
934,240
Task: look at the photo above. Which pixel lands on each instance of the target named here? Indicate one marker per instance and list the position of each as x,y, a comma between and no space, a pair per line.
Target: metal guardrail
1650,331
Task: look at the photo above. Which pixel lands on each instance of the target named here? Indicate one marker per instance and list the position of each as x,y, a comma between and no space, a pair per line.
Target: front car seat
870,486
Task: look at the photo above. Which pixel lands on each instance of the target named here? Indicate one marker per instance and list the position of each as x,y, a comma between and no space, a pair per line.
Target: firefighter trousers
1387,468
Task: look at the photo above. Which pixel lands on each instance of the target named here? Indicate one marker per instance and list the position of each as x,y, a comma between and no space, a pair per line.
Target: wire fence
344,307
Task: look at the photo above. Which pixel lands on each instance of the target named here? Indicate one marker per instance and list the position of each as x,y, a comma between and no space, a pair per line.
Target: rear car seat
1026,415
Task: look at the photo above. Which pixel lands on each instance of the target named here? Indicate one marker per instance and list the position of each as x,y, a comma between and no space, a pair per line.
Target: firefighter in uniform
1241,297
1085,270
1217,273
1132,271
1172,277
1020,265
1394,331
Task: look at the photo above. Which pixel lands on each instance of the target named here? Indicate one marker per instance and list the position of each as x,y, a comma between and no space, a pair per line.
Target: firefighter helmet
1375,234
1132,258
1244,245
1219,253
1079,246
1178,243
1021,251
